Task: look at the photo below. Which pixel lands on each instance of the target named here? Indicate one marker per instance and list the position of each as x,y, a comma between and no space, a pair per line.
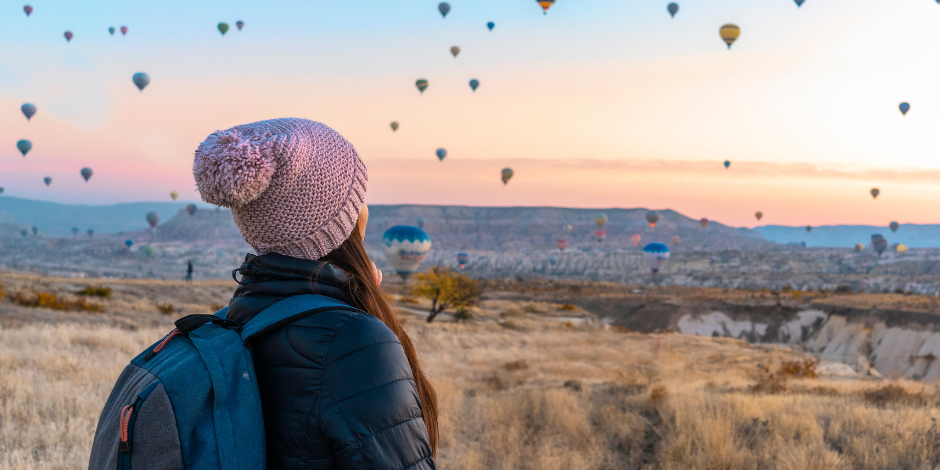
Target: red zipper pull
126,412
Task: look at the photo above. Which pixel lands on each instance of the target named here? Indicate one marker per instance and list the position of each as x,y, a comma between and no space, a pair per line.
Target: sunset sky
599,103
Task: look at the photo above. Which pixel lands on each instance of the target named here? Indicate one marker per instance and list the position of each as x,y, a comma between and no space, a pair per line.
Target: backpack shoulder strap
289,310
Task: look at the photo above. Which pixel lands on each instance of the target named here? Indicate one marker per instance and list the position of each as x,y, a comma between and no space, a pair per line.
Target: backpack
191,400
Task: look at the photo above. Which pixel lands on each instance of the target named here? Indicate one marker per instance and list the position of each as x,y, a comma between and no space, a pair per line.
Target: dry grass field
524,385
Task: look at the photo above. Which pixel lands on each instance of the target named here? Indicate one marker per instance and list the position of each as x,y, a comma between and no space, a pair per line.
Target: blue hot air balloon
86,173
904,107
28,110
141,80
463,259
91,232
727,163
25,146
444,8
128,242
75,231
474,83
420,222
441,153
47,180
655,255
112,30
799,3
490,25
405,248
673,8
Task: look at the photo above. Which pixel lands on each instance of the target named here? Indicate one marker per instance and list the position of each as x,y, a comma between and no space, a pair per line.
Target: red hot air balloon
123,30
28,9
636,239
561,244
69,36
704,222
153,219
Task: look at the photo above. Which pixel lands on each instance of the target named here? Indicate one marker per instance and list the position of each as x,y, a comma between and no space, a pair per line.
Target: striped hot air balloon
656,255
545,4
405,248
729,33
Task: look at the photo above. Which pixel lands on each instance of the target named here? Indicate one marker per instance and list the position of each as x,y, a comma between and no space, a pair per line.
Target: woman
339,390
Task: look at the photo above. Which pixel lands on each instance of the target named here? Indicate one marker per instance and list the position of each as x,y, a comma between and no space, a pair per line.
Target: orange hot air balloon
652,217
561,244
704,222
636,239
545,4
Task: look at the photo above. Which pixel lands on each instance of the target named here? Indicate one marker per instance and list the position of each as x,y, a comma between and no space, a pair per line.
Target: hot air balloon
141,80
128,243
703,222
69,36
463,259
174,195
35,230
24,146
561,243
1,189
147,250
600,235
758,214
28,9
879,243
874,193
809,228
901,248
223,28
490,25
675,240
239,24
894,226
191,209
636,239
652,217
420,222
153,219
506,175
394,126
545,4
904,107
47,180
600,220
729,33
552,260
74,231
24,232
86,173
422,85
568,228
91,232
454,50
656,255
799,3
123,30
474,83
405,248
673,8
441,153
727,164
112,30
28,110
444,8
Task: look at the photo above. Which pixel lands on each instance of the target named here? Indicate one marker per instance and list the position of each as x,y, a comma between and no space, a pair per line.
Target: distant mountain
914,236
58,219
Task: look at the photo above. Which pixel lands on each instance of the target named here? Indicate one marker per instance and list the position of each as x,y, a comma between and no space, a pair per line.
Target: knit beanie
295,186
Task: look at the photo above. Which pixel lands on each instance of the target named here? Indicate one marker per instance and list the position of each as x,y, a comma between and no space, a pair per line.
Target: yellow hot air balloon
758,214
729,33
901,248
174,195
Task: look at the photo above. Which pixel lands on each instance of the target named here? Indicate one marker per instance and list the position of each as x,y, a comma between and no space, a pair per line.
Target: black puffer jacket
336,388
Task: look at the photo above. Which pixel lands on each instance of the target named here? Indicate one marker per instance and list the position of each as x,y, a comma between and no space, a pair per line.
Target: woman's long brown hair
352,258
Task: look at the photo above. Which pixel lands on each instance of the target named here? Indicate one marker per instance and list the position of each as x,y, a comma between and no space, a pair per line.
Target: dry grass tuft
894,394
166,308
96,291
53,301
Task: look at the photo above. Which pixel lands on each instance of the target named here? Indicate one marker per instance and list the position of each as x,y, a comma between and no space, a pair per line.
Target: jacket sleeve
369,410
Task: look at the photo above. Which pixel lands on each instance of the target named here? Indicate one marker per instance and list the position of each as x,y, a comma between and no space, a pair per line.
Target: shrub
96,291
842,290
805,369
166,309
531,308
574,385
658,395
768,382
511,312
567,307
892,393
463,314
407,299
520,364
446,289
52,301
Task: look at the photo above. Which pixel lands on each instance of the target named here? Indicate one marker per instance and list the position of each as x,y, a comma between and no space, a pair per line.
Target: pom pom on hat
232,168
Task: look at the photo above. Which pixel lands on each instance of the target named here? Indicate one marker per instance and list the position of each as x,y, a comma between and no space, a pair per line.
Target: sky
599,103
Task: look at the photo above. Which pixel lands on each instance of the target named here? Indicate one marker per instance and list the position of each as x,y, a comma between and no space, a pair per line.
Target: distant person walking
189,270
